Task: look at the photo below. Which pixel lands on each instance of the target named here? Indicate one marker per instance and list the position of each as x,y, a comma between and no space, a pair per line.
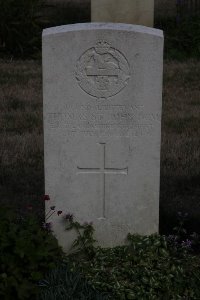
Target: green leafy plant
84,242
63,284
20,26
148,267
27,252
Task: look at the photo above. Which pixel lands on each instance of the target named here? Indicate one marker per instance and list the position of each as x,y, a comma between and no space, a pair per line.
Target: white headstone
102,127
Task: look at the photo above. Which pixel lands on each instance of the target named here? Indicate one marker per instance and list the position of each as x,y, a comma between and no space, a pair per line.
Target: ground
21,142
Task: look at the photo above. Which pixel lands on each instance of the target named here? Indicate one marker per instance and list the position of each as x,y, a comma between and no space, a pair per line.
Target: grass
180,173
21,139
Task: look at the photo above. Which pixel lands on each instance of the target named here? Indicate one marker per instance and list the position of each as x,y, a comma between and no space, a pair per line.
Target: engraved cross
103,170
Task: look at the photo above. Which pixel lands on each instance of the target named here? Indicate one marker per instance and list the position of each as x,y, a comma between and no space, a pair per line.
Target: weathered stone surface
102,127
140,12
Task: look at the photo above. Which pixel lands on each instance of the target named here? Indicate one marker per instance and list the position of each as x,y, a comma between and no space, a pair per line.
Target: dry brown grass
21,139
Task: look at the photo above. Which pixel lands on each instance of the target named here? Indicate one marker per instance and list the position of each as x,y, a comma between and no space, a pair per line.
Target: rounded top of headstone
102,26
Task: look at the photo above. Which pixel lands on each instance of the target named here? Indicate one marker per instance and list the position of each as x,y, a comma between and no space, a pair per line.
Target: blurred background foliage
22,22
20,26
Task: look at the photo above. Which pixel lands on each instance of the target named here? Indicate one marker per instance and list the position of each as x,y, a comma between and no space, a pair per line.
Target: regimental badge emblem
102,71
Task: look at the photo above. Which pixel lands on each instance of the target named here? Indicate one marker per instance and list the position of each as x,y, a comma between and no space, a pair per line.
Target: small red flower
29,207
59,212
46,198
